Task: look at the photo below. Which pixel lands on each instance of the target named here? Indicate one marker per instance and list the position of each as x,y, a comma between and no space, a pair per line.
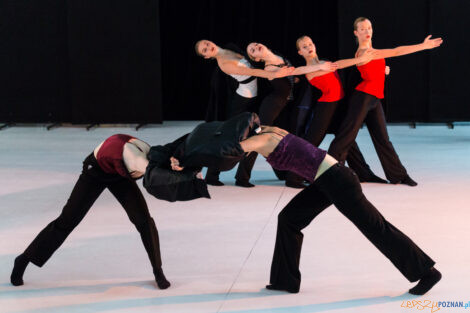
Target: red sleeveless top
109,156
373,75
330,86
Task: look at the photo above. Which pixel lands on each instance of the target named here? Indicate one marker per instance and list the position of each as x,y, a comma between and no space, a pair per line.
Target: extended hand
283,72
328,66
432,43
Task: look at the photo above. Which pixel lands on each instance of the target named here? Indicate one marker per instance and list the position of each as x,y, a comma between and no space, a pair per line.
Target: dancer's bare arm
365,57
325,67
265,142
428,43
230,67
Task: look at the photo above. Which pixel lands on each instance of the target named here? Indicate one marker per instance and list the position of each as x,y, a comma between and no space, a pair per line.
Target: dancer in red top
328,109
114,164
365,105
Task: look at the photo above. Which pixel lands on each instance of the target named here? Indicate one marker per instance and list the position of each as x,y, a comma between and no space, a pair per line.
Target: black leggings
275,101
367,108
89,186
238,105
324,115
340,186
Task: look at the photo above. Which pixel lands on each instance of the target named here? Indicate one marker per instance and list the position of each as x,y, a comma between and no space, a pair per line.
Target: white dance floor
217,253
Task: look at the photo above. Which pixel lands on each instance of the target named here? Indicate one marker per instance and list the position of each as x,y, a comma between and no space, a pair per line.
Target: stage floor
217,253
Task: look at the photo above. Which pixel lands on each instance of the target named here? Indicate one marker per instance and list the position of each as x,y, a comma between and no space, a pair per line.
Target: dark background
113,61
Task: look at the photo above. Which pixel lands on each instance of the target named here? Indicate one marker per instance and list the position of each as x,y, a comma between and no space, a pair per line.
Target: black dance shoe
214,182
242,183
426,282
295,184
280,288
408,181
373,179
160,279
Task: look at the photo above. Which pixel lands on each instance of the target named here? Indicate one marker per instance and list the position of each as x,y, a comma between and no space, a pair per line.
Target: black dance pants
89,186
340,186
238,105
367,108
324,115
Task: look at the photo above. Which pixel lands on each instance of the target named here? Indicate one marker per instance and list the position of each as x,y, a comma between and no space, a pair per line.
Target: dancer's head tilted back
206,49
257,51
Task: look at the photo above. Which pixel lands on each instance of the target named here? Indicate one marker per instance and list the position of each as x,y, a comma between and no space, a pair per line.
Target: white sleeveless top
250,89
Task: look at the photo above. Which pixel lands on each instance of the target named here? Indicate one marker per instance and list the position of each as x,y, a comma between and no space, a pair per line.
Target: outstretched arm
231,68
365,57
428,43
325,67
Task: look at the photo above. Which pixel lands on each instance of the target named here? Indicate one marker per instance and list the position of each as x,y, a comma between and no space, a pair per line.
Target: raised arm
229,67
428,43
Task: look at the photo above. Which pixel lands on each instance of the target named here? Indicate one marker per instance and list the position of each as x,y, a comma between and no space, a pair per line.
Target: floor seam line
251,251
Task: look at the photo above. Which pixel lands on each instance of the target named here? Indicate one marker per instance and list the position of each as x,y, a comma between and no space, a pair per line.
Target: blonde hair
297,42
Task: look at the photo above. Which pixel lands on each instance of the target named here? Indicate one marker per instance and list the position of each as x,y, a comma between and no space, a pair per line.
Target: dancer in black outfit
365,105
114,164
331,183
244,99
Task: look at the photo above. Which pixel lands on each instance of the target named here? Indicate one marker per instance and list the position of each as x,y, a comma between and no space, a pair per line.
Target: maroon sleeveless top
297,155
110,157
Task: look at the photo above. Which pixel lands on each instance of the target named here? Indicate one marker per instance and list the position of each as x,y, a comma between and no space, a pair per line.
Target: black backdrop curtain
423,87
130,61
80,61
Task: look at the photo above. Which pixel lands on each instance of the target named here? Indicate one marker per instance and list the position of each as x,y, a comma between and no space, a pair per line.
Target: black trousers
367,108
238,105
270,109
89,186
325,115
340,186
273,104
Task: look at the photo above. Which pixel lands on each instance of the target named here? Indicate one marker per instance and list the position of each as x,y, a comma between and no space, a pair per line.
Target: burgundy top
373,75
109,156
297,155
330,86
